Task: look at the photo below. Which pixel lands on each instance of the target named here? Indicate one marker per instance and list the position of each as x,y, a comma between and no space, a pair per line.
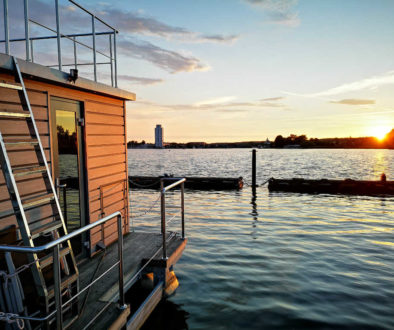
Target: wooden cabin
67,256
83,131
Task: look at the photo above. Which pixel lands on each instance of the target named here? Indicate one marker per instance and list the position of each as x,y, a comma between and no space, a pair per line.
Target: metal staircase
35,231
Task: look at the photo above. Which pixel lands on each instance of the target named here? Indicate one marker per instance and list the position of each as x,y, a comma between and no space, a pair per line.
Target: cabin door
69,164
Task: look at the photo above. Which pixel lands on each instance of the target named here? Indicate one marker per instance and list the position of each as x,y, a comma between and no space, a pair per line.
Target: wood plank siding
105,152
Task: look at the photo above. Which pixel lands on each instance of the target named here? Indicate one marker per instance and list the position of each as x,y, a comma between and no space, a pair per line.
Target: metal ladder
29,230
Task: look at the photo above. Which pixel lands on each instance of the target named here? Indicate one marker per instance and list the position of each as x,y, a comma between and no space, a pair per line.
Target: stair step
37,201
47,228
20,115
48,259
11,86
28,170
65,283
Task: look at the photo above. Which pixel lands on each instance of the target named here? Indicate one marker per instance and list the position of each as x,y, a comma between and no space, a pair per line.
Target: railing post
57,281
75,54
27,30
183,208
111,60
32,51
6,31
94,47
59,48
163,218
122,303
115,62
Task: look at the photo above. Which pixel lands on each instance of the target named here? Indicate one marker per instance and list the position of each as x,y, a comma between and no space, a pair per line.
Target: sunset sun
380,132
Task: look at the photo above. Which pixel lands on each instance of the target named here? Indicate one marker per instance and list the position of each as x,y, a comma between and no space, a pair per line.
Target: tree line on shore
291,141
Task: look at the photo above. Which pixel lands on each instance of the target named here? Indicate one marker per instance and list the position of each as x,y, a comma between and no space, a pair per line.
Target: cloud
367,83
136,23
168,60
219,104
215,101
129,23
139,80
269,99
279,11
354,102
227,39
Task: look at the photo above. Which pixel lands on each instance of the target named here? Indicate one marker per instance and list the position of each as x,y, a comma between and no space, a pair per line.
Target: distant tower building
158,136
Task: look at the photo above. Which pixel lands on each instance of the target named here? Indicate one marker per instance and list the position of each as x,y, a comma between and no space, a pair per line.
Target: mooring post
254,169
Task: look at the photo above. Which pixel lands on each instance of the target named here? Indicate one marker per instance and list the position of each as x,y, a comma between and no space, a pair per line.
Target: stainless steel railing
163,191
28,39
54,246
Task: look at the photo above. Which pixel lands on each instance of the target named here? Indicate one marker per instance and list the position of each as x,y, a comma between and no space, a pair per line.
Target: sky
241,70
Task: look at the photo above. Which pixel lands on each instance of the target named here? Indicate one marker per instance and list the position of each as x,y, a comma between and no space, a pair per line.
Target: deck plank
137,246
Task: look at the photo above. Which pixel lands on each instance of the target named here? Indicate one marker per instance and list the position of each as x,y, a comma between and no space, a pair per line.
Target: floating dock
324,186
200,183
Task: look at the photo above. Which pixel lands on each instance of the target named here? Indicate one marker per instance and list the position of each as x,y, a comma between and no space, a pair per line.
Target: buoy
172,284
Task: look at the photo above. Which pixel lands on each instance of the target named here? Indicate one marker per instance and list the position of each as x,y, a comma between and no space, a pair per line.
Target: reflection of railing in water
70,200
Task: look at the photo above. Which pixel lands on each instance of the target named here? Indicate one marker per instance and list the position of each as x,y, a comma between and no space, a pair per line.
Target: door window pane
68,166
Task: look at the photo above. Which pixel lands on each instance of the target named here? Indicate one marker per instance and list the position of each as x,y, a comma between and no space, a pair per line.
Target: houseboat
68,258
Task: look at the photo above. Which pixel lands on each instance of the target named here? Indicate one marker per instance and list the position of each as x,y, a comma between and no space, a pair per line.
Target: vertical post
32,50
57,281
163,218
27,30
254,168
102,214
122,303
6,32
64,186
183,208
75,54
110,60
115,62
59,48
94,47
57,185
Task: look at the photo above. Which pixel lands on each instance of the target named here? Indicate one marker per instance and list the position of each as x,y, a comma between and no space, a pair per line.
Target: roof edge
44,73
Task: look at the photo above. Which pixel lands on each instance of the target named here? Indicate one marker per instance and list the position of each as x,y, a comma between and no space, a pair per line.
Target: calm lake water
276,260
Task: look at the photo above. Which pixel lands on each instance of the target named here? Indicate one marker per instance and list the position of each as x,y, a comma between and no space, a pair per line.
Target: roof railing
29,40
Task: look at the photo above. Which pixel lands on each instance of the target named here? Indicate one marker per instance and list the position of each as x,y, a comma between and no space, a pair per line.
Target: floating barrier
200,183
324,186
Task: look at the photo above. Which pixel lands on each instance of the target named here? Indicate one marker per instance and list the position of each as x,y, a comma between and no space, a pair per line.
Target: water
279,260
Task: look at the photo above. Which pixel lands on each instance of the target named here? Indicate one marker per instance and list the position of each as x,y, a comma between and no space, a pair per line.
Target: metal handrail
163,191
54,245
58,35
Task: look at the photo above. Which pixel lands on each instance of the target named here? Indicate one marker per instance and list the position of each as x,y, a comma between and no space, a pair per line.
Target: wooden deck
137,247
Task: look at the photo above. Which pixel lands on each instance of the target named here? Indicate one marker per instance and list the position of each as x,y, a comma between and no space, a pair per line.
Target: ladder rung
11,86
38,202
48,259
65,283
29,170
14,114
47,228
7,213
21,143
